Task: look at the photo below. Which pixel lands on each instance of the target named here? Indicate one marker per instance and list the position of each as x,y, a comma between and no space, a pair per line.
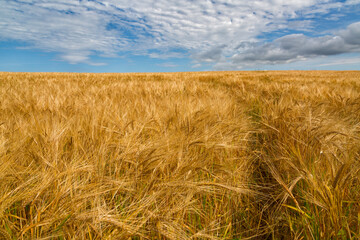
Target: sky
176,36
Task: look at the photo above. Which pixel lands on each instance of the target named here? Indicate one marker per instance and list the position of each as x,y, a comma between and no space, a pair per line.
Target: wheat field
208,155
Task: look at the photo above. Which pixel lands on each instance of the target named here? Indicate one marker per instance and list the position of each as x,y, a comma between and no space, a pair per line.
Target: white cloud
209,30
352,34
294,47
75,58
168,65
352,2
342,62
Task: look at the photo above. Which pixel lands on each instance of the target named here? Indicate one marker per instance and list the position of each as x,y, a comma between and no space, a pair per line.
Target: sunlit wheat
218,155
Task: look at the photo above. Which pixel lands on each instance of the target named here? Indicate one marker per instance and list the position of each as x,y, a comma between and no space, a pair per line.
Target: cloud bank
224,33
298,46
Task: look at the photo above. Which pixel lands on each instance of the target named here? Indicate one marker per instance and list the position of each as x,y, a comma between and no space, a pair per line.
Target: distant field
212,155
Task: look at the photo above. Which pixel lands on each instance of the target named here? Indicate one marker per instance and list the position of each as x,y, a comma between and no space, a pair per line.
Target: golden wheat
212,155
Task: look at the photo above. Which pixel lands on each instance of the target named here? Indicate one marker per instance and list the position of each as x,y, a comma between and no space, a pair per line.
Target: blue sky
172,35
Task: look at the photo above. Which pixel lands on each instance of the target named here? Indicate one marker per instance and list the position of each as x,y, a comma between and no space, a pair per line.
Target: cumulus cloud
212,55
210,31
352,34
352,2
298,46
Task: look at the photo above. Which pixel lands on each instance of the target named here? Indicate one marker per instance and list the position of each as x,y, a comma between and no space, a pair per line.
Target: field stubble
217,155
